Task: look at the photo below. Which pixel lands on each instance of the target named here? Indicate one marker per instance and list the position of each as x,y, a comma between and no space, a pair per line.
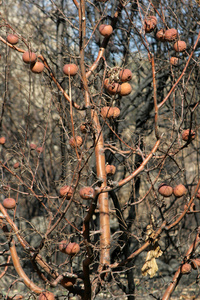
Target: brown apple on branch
70,69
12,39
105,30
29,57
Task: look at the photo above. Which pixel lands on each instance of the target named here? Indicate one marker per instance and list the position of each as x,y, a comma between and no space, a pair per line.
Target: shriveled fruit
116,112
33,146
160,35
171,34
16,165
110,170
165,190
46,296
12,39
39,149
83,128
125,75
2,140
150,23
180,46
29,57
113,88
70,69
105,30
125,89
87,192
188,134
9,203
110,112
72,249
68,282
174,61
186,268
179,190
107,112
195,263
77,141
37,67
62,245
67,191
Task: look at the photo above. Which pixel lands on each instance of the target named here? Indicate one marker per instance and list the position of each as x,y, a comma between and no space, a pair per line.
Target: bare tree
99,148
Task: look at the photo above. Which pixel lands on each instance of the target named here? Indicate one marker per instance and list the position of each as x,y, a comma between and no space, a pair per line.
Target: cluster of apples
169,35
166,190
179,190
36,66
28,57
113,86
36,148
86,192
31,58
117,84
